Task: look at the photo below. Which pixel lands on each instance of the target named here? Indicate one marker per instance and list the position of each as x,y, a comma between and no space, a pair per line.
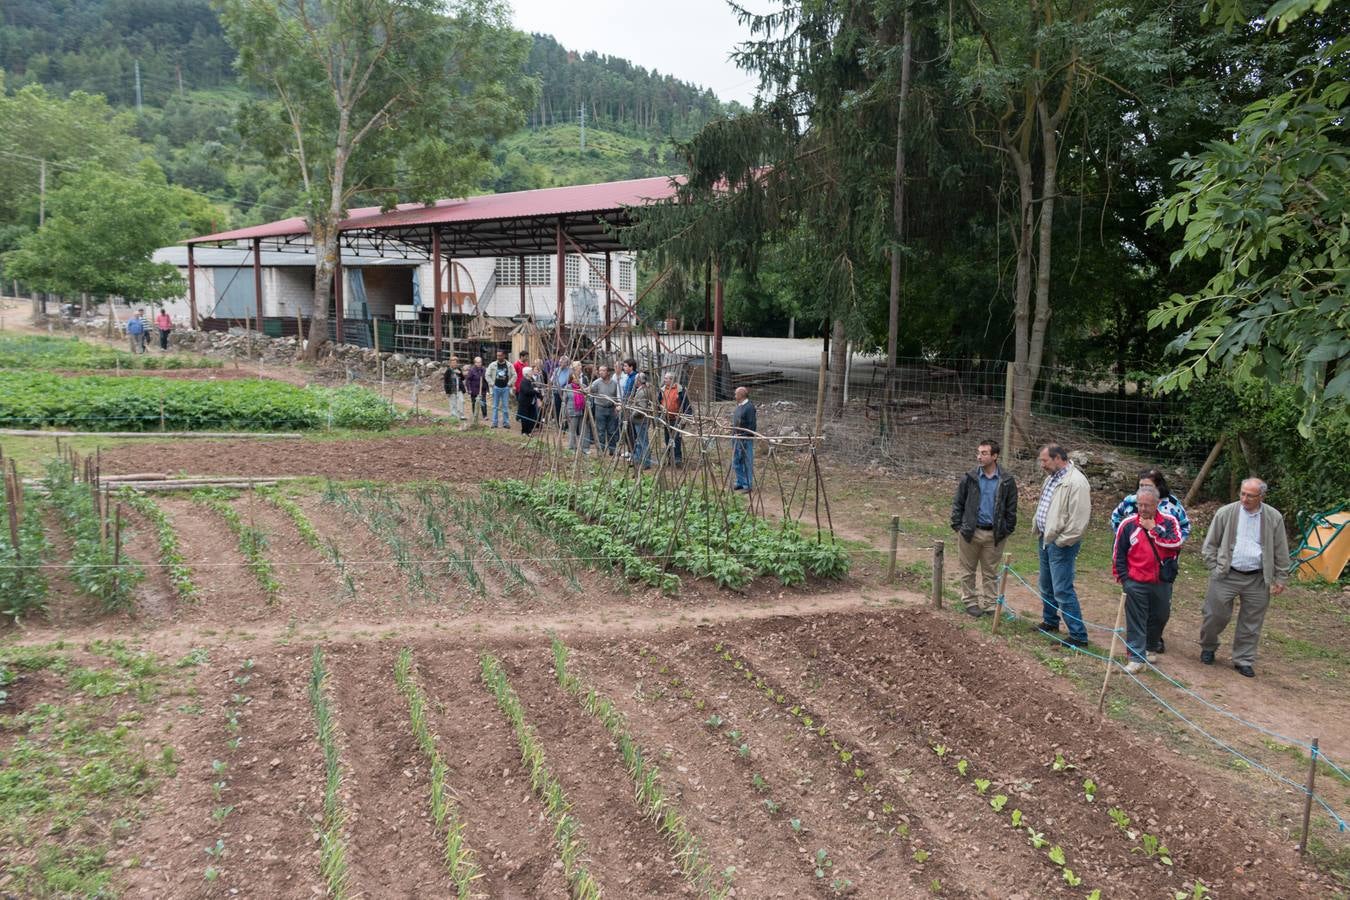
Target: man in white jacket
1061,518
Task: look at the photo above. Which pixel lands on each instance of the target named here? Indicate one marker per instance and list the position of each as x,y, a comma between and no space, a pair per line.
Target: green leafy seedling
921,856
998,802
1016,817
962,766
982,785
1056,854
1089,789
1070,878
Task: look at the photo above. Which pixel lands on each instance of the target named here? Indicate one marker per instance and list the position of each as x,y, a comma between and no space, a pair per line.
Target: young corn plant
566,829
651,796
460,861
252,540
332,843
170,553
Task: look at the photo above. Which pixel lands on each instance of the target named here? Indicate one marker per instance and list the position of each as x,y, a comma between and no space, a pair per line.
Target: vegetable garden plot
392,849
514,843
1048,765
645,529
743,810
627,855
40,352
101,403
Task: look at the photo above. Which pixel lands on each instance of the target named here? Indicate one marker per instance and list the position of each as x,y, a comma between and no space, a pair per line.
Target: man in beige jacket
1061,518
1247,554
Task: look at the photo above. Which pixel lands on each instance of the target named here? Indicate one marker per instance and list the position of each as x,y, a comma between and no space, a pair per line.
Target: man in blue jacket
743,422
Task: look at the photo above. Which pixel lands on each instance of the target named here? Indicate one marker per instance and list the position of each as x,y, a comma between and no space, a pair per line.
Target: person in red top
1144,541
519,365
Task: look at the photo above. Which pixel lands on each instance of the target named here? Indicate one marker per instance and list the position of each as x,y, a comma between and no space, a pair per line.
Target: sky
690,39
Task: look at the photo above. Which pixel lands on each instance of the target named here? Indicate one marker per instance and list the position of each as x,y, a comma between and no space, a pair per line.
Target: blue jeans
642,444
1058,596
501,397
743,462
606,427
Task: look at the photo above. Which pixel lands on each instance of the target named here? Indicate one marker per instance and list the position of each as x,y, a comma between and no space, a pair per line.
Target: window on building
625,275
573,270
538,270
597,272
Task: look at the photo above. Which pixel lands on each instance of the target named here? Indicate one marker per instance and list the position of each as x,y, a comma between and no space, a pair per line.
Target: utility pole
42,192
583,126
138,87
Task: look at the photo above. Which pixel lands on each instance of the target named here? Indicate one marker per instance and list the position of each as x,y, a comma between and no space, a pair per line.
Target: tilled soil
460,458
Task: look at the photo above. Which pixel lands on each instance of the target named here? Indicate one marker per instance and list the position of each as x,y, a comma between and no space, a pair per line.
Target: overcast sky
690,39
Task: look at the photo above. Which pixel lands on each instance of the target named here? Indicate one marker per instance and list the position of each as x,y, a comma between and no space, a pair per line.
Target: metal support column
521,272
560,276
257,282
338,304
609,296
436,295
192,288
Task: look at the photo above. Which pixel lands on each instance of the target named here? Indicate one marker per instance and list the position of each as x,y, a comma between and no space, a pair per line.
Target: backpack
578,401
503,377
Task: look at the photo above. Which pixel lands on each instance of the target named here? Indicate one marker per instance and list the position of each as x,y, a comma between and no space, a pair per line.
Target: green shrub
23,590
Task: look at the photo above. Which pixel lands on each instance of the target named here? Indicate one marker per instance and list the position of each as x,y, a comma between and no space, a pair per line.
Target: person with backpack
674,406
475,383
1169,504
1144,559
136,332
165,325
501,377
454,389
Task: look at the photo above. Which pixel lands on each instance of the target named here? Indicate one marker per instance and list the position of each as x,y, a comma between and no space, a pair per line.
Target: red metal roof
581,198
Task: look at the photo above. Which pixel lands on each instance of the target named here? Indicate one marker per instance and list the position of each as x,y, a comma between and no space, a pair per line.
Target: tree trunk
325,261
1024,377
838,367
898,199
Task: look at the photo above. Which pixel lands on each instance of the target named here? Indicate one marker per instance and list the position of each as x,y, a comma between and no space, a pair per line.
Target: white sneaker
1151,657
1134,667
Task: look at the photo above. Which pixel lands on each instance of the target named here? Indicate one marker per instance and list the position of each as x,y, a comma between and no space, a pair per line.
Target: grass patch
44,353
1298,649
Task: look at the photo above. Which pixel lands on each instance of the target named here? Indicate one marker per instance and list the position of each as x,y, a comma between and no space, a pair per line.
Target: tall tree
1268,206
101,232
381,99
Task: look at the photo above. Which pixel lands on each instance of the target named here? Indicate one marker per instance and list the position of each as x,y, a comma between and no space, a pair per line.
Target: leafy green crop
92,564
107,403
40,352
23,590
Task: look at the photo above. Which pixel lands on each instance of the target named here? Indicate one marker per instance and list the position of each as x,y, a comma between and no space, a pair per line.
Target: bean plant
23,587
95,565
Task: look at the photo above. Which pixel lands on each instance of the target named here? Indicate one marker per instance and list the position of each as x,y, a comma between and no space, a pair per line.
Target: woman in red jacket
1144,559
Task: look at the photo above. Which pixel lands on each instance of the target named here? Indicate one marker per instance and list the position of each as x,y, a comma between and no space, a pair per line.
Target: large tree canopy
101,230
382,99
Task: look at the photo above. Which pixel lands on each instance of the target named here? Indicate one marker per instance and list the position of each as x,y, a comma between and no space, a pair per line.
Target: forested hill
95,46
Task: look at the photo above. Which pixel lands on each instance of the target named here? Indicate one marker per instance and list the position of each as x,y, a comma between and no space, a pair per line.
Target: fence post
820,391
1007,408
1111,652
1308,800
937,574
895,540
1002,592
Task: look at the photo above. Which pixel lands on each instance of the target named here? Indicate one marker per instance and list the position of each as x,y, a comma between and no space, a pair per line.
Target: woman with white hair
527,401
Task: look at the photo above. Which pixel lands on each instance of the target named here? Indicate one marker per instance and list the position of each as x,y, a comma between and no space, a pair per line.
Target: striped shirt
1043,507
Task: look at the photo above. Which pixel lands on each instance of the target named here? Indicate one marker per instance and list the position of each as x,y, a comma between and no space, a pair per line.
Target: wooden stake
12,490
937,574
1002,587
820,391
1111,652
1204,471
1308,800
895,541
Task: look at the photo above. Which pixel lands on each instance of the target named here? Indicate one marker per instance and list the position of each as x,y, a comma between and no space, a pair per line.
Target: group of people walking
619,413
1245,550
138,329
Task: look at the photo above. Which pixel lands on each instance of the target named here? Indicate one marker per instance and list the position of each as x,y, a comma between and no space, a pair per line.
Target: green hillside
548,157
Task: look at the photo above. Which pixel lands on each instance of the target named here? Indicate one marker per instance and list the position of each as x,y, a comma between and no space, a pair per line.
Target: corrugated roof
242,257
545,202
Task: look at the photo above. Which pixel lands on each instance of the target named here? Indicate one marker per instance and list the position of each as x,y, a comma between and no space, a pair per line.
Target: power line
234,201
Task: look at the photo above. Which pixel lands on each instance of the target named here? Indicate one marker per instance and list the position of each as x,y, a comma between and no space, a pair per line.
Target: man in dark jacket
984,513
743,422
